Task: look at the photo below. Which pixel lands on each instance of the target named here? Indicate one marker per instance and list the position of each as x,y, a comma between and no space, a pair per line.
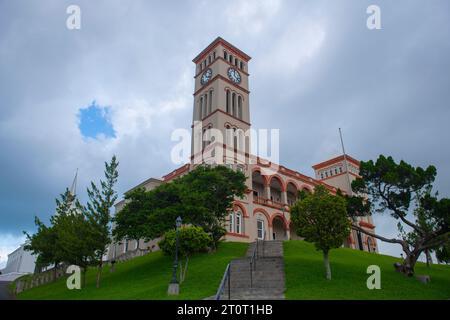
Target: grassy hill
305,276
147,277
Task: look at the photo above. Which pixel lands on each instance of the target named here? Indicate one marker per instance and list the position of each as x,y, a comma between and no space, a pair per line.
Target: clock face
234,75
206,76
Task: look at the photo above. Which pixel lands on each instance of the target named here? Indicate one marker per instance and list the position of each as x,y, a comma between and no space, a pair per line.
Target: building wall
20,261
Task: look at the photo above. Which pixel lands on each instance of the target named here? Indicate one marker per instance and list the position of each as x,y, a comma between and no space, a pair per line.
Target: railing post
251,274
229,283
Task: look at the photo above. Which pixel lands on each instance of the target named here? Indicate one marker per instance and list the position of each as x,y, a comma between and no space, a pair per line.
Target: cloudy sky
316,67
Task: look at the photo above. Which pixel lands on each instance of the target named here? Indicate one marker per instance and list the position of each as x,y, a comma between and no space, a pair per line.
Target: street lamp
174,286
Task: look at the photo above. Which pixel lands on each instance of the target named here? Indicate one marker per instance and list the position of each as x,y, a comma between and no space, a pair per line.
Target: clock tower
221,101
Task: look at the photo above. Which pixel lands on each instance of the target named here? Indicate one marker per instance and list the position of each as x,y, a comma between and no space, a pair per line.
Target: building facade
20,262
221,135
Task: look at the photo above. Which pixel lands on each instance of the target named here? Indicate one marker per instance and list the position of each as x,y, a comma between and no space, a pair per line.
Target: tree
45,243
191,240
75,238
101,199
202,198
443,253
389,186
321,218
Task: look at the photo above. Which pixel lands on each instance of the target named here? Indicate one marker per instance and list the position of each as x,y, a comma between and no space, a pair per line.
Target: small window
241,65
209,59
225,55
214,55
231,59
238,223
260,229
236,62
231,225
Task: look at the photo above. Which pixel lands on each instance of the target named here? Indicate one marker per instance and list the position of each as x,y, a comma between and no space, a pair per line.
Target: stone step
266,272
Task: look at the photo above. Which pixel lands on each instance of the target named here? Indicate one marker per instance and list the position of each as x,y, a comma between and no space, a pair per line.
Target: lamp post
174,286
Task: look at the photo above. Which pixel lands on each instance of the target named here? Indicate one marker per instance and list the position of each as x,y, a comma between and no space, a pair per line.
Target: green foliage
321,218
394,186
101,199
202,198
191,240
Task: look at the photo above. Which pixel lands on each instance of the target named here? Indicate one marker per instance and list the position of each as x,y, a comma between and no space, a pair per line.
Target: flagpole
345,163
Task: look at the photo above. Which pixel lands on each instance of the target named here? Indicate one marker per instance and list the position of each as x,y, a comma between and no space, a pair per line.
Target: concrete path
4,292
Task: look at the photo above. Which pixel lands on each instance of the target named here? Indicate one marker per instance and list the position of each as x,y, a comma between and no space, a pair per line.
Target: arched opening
257,185
275,190
291,193
278,229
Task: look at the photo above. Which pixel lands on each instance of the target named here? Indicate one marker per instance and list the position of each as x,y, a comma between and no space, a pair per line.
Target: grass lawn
148,277
305,276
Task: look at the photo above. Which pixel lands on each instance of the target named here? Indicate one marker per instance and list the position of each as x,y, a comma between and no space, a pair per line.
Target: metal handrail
253,262
225,279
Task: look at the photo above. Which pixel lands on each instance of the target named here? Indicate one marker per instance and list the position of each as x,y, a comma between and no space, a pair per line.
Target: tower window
209,59
239,107
205,106
231,59
210,101
201,108
214,55
236,62
233,104
242,65
225,55
228,102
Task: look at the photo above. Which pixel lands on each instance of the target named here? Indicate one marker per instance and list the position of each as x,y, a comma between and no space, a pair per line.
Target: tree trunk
429,258
55,271
99,272
410,262
326,262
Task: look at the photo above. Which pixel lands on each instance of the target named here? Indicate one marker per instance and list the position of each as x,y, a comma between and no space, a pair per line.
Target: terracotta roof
226,44
334,160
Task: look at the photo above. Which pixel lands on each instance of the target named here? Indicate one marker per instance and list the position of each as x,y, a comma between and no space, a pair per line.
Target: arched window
231,59
210,101
231,223
228,102
225,55
233,104
238,222
242,65
201,108
236,62
209,59
235,138
205,106
214,55
239,107
228,134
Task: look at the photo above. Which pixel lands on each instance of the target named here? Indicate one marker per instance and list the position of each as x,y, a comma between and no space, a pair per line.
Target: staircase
258,276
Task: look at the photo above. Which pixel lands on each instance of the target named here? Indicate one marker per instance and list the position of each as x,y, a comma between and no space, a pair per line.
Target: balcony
269,203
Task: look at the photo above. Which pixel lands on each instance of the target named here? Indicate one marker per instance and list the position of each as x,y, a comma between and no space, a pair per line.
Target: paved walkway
4,292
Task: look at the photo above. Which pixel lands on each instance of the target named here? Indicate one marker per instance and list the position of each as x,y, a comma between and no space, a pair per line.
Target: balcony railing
268,202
